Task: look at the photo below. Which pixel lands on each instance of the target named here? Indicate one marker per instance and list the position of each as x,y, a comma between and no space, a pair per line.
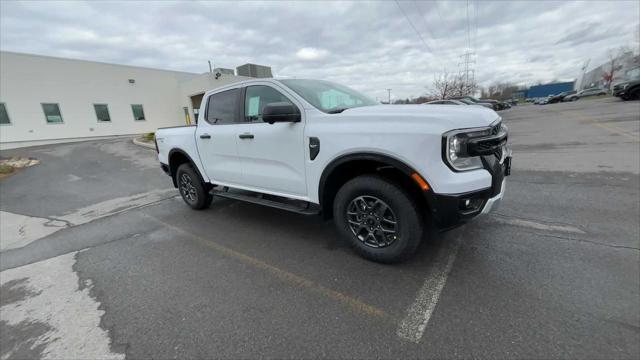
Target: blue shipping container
549,89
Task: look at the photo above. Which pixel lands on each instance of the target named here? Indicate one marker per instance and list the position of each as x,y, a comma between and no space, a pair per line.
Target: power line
413,26
475,33
424,21
439,14
468,28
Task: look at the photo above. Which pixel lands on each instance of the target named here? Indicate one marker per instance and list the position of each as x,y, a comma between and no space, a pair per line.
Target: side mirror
280,112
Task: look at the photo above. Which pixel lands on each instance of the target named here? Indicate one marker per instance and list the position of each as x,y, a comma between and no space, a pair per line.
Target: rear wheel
378,218
192,189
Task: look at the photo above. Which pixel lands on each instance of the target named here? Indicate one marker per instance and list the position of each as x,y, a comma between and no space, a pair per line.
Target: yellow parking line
286,276
608,127
615,130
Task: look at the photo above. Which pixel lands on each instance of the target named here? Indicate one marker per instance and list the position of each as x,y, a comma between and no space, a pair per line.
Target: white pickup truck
315,147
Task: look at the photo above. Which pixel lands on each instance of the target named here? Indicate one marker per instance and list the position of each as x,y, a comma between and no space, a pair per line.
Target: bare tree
614,56
446,85
500,91
443,85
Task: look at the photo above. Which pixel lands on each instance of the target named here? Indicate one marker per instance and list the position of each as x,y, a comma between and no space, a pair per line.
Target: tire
634,94
192,189
390,243
574,99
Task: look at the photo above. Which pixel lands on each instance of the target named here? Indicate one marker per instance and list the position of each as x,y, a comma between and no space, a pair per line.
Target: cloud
370,46
588,33
309,53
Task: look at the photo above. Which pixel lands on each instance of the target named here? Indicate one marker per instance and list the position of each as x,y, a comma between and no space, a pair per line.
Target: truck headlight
455,148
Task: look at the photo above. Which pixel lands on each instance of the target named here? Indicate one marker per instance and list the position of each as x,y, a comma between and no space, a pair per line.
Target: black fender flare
193,163
372,156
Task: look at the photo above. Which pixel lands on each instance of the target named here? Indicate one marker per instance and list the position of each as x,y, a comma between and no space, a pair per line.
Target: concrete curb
143,144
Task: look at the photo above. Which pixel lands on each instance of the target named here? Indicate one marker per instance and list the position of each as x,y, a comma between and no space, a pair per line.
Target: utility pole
210,69
389,93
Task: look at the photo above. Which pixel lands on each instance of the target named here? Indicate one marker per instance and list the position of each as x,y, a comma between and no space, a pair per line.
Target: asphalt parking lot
109,263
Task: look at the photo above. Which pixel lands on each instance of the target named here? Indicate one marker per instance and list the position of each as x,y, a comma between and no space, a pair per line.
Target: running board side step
301,207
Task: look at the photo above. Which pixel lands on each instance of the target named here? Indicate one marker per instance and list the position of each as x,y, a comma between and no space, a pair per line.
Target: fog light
471,204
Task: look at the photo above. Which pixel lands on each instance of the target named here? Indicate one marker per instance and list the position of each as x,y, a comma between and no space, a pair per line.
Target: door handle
205,136
246,136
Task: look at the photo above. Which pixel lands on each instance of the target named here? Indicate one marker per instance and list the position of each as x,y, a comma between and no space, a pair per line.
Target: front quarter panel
412,140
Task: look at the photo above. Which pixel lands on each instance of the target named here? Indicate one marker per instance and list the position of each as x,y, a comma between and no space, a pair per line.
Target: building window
52,113
138,112
102,112
4,116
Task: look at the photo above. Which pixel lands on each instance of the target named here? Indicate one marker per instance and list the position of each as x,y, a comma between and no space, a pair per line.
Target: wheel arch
634,91
348,166
178,157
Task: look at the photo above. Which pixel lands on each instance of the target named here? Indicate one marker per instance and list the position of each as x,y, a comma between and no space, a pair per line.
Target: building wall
549,89
26,81
625,66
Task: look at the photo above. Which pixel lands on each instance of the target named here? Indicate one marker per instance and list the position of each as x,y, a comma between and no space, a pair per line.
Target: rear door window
222,107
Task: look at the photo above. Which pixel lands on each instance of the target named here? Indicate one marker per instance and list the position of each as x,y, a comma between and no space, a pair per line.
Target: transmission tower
467,72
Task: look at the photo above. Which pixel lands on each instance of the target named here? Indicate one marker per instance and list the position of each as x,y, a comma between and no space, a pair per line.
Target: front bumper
494,202
452,210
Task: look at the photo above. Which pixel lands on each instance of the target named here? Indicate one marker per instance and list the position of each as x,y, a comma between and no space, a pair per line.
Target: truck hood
450,116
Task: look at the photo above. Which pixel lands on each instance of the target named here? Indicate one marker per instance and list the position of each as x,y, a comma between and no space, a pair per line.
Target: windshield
327,96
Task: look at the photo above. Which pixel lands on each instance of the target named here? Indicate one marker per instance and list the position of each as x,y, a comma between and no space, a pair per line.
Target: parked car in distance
560,97
497,105
475,101
586,93
313,147
628,90
469,102
446,102
541,101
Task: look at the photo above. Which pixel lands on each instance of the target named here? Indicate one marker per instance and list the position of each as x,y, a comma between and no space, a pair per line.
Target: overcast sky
370,46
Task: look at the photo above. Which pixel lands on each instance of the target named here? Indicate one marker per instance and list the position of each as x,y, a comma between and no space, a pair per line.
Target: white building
627,67
47,100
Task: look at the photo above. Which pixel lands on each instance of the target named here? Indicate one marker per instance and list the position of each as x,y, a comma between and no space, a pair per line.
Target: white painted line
17,230
46,296
415,322
537,225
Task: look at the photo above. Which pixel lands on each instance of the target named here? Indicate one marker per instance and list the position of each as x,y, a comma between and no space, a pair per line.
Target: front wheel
192,189
378,218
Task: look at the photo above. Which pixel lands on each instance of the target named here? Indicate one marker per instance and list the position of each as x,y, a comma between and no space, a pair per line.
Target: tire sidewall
407,216
202,196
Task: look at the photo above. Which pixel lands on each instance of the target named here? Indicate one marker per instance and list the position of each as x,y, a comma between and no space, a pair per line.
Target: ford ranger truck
381,172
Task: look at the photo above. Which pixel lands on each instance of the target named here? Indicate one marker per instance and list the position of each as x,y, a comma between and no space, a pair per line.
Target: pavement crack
586,241
541,221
